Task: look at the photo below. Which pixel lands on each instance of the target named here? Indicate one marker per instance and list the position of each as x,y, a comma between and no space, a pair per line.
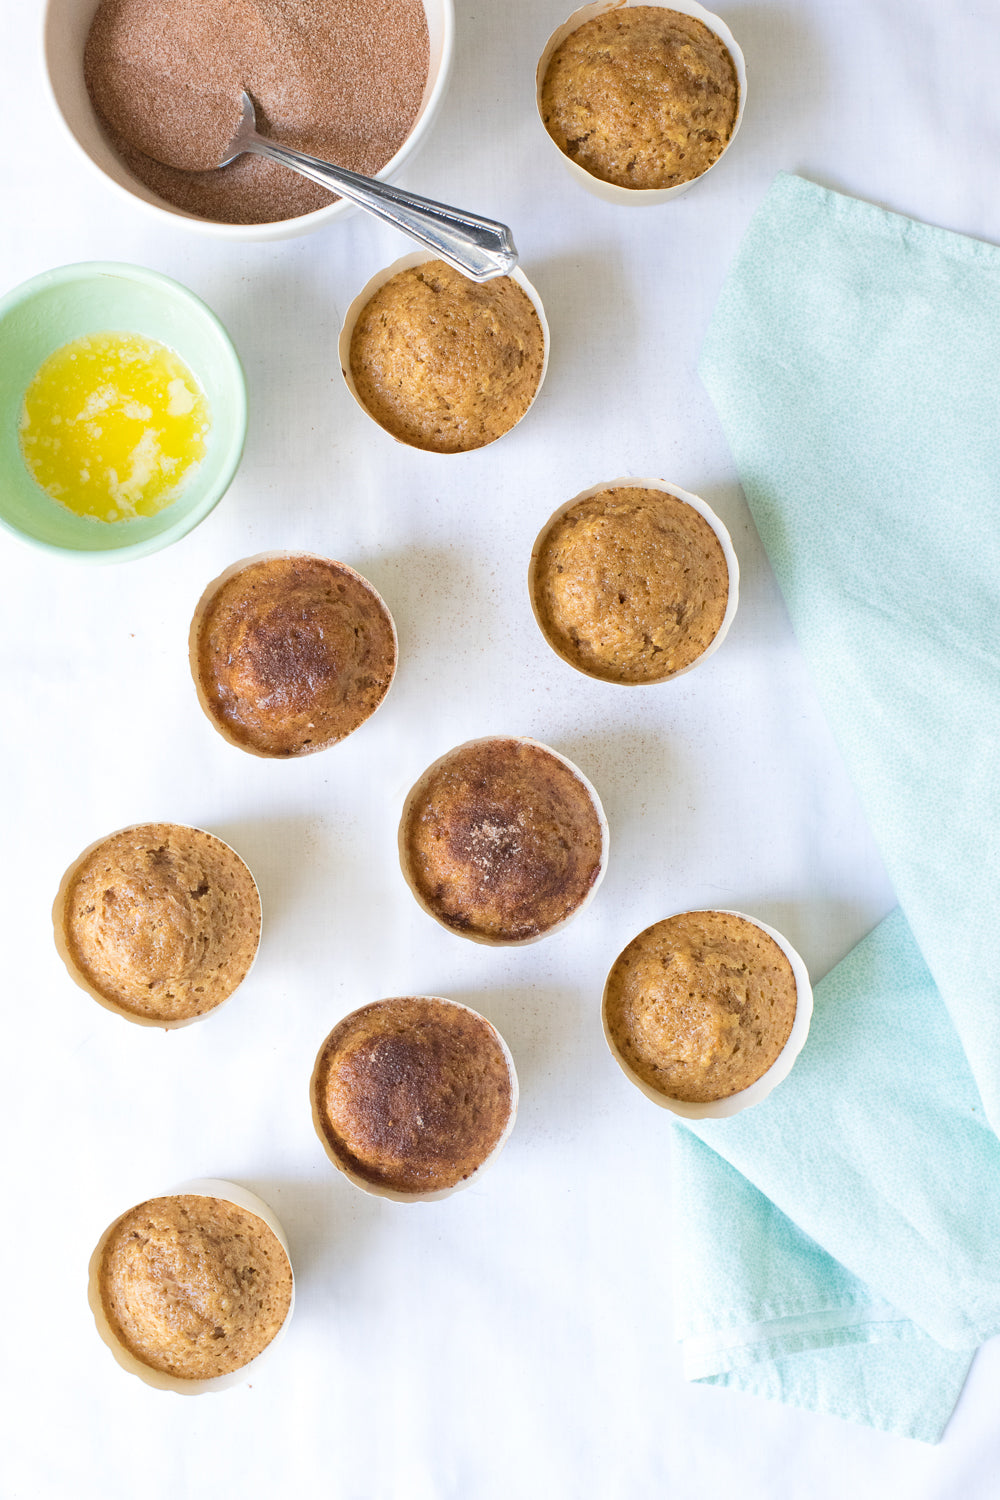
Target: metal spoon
479,248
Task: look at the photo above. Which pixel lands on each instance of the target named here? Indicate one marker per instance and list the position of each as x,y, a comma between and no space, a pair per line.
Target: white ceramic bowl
718,1109
205,1187
611,192
394,1194
67,23
696,503
417,258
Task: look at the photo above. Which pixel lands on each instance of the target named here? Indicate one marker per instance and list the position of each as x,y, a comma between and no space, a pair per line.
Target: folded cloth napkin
839,1244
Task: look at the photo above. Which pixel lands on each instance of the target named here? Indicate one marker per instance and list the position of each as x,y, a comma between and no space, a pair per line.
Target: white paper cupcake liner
704,510
611,192
397,1195
79,977
376,282
205,1187
207,597
417,791
718,1109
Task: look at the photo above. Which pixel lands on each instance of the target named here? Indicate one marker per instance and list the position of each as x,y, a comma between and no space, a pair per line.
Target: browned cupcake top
501,840
444,363
413,1094
641,96
194,1286
161,920
700,1005
292,654
631,585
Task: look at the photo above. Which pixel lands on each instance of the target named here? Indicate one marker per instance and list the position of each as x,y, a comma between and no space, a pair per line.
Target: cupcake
643,99
634,582
412,1097
502,840
158,922
190,1288
707,1010
441,362
291,653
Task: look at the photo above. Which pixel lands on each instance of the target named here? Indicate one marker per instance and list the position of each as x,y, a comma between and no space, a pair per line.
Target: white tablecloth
515,1340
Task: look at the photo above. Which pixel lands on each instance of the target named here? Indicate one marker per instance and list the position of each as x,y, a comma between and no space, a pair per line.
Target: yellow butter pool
112,426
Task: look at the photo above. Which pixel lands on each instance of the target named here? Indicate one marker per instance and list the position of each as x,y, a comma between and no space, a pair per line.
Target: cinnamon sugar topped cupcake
291,653
411,1096
502,840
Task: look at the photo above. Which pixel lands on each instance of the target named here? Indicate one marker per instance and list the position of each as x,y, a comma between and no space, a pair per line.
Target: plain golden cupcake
159,921
192,1286
291,653
641,96
699,1006
444,363
503,840
632,584
412,1096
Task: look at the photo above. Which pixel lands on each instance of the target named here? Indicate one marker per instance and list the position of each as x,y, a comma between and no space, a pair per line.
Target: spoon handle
479,248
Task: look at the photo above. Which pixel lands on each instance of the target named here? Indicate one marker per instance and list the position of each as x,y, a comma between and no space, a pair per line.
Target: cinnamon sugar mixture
339,79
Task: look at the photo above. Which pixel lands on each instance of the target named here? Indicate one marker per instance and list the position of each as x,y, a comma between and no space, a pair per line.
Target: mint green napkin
851,1261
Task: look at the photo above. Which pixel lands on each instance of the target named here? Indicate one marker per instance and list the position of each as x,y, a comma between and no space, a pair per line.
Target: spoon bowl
479,248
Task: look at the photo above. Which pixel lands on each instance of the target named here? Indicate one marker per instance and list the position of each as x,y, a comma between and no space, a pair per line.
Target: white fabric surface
516,1339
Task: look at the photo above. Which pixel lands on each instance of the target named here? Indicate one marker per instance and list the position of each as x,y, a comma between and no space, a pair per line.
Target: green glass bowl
104,296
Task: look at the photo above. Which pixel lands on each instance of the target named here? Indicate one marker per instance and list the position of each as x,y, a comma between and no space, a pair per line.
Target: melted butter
113,425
